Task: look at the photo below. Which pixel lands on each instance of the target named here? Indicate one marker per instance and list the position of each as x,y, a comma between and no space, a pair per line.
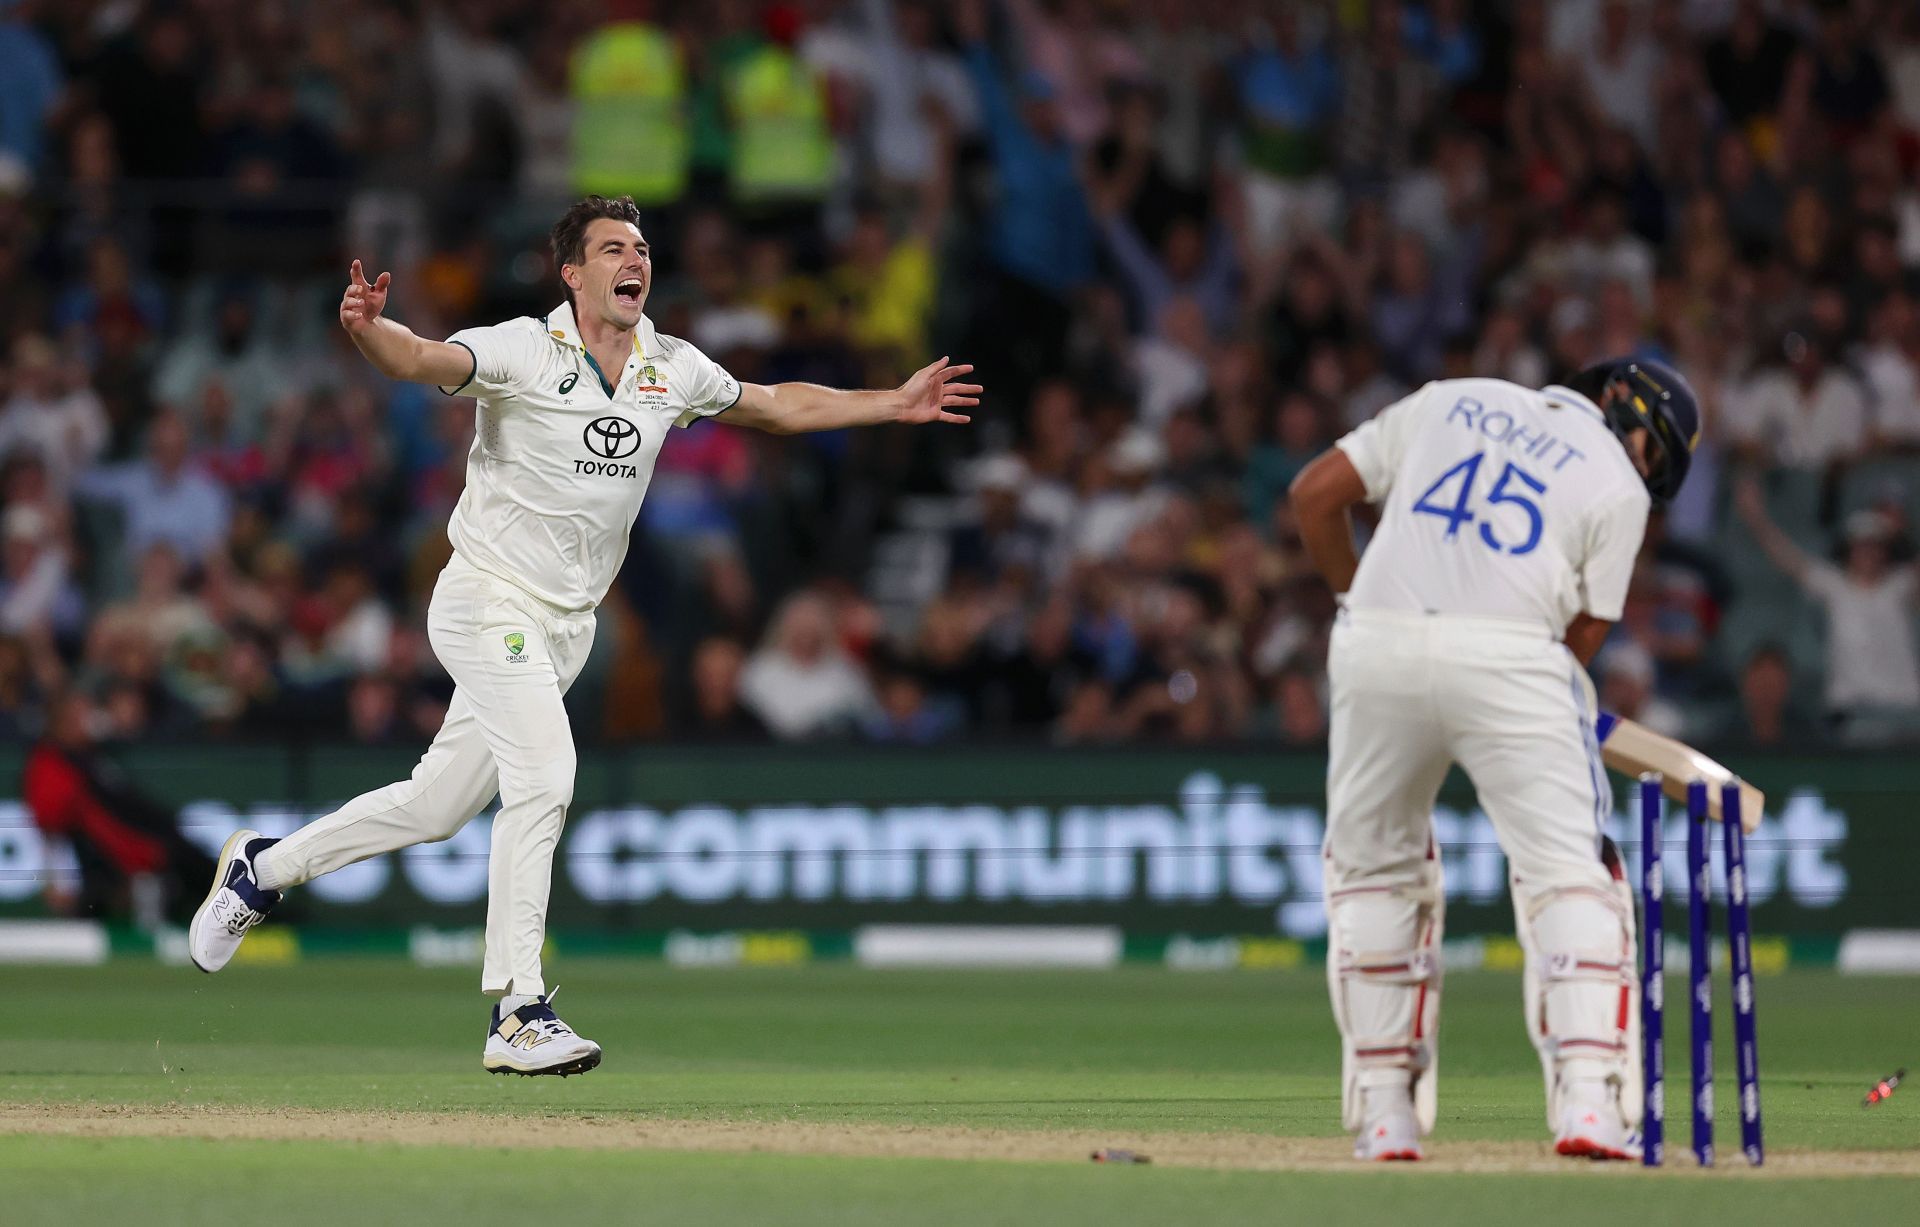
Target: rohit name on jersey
1500,426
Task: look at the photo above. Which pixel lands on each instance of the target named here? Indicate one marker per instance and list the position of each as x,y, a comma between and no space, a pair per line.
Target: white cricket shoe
235,904
1592,1129
1392,1132
533,1040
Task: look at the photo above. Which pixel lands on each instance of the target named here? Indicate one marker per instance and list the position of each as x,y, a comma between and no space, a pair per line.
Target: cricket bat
1628,748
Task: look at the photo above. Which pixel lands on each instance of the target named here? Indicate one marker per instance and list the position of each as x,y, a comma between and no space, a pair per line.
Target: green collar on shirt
595,364
546,322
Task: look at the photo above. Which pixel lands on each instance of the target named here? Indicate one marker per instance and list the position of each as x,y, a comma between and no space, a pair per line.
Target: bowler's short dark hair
570,232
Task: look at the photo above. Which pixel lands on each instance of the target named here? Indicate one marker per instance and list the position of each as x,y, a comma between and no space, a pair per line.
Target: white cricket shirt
562,453
1497,501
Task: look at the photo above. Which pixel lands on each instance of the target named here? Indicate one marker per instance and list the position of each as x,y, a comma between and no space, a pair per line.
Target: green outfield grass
1124,1052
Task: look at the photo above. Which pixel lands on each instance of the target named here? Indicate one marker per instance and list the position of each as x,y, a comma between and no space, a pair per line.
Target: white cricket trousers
512,657
1413,693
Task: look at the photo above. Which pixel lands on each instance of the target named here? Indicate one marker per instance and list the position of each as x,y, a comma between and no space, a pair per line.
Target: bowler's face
615,274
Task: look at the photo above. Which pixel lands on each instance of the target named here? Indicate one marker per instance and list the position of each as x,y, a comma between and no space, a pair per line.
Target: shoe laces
238,917
538,1014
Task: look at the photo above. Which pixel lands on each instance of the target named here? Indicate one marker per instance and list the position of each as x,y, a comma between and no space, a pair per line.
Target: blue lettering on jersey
1502,493
1499,425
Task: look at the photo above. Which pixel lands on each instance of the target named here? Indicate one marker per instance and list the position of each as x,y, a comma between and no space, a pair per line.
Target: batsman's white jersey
560,462
1497,501
1505,512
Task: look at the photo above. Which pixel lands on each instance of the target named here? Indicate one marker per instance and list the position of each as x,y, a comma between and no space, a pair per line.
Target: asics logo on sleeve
566,385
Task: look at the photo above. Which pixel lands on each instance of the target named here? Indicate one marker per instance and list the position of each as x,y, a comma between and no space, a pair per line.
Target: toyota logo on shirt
611,437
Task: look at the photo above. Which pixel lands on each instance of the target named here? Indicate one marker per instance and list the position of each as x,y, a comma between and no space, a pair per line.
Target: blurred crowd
1188,244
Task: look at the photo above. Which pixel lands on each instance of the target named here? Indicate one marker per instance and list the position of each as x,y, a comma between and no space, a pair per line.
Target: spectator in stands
23,308
1748,64
1873,668
1385,95
1810,415
950,662
30,85
999,543
1288,91
159,610
1040,234
1415,311
800,682
373,711
919,91
1848,86
1170,364
1116,495
281,173
1298,432
131,859
163,497
1622,69
888,286
37,592
110,302
29,671
1751,196
1627,690
1890,368
52,412
1300,707
1030,685
1443,34
233,355
1769,717
905,713
1187,264
1307,310
718,714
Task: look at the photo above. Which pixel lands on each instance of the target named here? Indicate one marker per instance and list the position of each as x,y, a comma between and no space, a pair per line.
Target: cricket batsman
1509,523
572,410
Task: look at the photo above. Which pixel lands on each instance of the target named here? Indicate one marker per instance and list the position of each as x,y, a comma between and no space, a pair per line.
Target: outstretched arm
393,349
1777,545
795,408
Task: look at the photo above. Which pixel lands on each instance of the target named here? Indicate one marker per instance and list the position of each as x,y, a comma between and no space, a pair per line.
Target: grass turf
1130,1050
168,1181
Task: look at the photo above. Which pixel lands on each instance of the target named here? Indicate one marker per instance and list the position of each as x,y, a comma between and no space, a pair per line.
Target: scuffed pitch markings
1229,1151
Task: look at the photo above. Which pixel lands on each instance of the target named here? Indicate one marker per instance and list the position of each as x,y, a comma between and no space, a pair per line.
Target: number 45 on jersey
1502,492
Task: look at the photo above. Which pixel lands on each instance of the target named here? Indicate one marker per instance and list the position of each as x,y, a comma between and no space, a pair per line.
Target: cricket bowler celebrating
572,411
1509,523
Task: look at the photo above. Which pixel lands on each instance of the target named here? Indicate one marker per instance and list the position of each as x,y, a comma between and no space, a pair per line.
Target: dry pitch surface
554,1131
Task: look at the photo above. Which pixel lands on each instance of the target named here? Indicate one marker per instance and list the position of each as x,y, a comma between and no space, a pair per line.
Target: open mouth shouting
629,290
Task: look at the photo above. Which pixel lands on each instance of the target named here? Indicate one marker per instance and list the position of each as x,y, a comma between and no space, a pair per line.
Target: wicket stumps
1746,1040
1699,971
1653,978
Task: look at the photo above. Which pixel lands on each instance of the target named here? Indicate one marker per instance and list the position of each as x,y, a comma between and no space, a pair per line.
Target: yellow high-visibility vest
630,125
781,145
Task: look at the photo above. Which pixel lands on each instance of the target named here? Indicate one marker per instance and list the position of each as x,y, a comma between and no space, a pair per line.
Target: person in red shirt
126,845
